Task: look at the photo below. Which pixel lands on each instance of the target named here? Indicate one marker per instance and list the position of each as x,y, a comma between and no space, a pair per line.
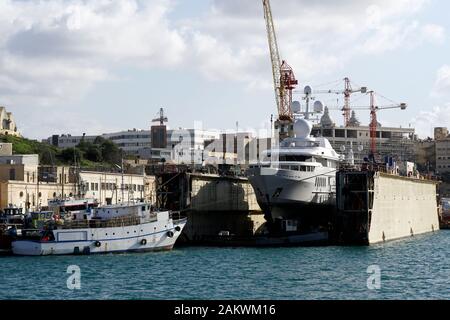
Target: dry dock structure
374,207
217,207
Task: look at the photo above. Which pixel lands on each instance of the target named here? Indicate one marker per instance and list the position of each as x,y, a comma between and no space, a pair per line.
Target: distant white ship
295,184
116,228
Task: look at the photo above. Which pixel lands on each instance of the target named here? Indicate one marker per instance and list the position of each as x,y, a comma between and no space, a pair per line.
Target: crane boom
283,78
274,52
347,92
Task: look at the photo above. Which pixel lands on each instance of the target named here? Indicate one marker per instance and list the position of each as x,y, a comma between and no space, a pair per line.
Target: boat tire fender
98,244
170,234
178,228
143,242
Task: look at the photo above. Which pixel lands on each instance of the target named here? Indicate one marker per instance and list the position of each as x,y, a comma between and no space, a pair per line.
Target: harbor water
414,268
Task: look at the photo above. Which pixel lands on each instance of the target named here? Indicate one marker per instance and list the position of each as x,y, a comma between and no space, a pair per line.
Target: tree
99,140
93,153
69,155
47,156
110,152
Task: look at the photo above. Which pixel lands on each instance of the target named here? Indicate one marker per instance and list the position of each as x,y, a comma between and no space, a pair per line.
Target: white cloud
442,83
427,120
402,35
55,51
314,37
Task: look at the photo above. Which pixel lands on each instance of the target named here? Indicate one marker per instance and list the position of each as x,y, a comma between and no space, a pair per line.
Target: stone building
7,123
25,184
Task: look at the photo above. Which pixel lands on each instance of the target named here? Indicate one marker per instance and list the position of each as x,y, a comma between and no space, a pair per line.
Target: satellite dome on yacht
302,128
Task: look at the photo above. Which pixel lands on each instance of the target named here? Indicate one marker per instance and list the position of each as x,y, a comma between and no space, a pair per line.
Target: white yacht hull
151,236
285,194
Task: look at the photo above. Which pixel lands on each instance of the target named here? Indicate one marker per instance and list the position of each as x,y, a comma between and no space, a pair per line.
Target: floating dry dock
374,207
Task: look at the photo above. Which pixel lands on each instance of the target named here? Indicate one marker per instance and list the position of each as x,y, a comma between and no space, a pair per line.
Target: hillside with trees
101,153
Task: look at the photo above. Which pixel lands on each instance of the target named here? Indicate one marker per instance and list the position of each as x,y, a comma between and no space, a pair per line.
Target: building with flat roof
33,191
132,142
442,151
398,143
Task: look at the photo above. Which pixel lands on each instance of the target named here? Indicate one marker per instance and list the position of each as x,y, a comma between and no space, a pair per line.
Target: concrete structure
443,155
212,204
159,137
440,133
6,149
7,123
19,168
25,184
425,151
378,207
132,142
393,142
111,188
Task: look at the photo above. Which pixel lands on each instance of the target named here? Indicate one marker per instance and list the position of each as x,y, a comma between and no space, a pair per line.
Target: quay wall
402,207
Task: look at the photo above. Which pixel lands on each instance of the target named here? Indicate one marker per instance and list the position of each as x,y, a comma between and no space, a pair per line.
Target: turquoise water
416,268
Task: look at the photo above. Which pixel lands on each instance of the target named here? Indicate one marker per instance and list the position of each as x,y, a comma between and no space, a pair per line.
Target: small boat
134,227
12,216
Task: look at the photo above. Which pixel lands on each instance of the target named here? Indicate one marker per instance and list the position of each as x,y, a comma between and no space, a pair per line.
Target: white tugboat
116,228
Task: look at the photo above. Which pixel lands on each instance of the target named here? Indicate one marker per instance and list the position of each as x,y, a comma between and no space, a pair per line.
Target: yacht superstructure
295,185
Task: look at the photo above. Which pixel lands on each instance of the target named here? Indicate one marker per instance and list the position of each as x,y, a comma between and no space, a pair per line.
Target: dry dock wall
221,204
212,204
402,207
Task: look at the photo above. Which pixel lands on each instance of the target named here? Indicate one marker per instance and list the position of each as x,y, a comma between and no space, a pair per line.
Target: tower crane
347,92
162,118
374,108
283,78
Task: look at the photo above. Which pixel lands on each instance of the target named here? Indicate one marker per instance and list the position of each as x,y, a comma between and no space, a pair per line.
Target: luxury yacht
295,184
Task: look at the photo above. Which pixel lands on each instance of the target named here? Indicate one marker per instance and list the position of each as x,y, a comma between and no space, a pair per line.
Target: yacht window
294,158
294,168
284,167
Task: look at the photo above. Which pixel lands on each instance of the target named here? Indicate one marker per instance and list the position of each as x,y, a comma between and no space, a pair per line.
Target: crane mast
283,78
347,110
373,124
374,109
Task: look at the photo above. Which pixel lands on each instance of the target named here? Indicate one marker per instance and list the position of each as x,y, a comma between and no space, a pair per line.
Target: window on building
339,133
12,174
352,134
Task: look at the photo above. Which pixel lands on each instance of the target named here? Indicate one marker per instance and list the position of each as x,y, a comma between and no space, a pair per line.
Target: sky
79,66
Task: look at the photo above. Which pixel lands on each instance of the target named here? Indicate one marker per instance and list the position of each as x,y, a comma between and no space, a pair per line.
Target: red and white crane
347,92
283,78
374,109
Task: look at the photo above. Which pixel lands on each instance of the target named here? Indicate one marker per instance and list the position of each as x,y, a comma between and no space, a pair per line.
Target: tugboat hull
136,238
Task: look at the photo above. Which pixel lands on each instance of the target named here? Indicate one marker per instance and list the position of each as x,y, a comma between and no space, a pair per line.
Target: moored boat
115,228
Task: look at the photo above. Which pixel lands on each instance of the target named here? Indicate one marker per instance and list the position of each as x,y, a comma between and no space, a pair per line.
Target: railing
111,223
176,215
374,167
